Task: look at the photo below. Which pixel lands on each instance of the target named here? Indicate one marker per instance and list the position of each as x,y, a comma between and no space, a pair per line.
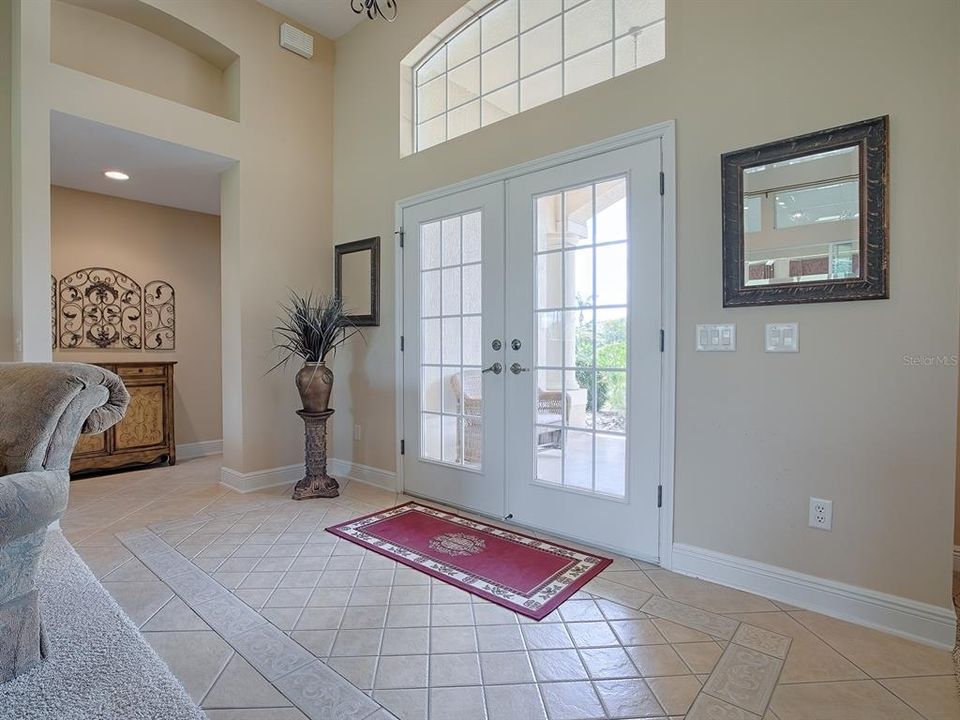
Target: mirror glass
355,282
801,219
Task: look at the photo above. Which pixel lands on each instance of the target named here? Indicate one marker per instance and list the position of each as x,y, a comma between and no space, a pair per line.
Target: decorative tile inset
762,640
692,617
706,707
324,695
228,615
745,678
270,651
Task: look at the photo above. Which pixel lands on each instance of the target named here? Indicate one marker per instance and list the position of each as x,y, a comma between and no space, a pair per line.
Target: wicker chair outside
551,410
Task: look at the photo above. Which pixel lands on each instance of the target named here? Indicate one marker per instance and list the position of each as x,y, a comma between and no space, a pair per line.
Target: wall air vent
296,40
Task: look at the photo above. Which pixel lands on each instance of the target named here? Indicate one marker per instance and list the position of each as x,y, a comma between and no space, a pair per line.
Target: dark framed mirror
357,279
806,219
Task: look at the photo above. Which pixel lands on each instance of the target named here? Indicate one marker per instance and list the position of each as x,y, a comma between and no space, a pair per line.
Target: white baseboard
922,622
260,479
188,451
956,558
383,479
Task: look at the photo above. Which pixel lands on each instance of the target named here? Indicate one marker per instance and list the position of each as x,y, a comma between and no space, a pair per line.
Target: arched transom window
513,55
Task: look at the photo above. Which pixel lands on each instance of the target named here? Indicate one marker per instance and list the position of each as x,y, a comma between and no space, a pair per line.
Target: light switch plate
716,338
782,337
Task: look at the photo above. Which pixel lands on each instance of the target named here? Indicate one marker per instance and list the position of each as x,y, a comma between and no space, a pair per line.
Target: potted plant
312,327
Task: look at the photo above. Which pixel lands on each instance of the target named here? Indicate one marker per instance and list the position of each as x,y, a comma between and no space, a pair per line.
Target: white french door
583,349
532,360
452,314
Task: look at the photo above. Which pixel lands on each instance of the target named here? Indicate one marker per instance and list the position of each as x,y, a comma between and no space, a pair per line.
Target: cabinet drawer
141,371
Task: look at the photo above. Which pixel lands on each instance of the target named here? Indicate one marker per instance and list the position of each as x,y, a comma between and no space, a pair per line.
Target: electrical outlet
821,514
357,432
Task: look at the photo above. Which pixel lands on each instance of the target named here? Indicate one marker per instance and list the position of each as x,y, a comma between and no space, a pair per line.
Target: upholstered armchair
43,408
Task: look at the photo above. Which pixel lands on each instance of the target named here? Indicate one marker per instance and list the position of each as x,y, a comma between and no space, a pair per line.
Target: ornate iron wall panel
159,316
102,308
53,312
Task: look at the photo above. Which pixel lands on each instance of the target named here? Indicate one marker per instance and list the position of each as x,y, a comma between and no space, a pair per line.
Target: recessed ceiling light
116,175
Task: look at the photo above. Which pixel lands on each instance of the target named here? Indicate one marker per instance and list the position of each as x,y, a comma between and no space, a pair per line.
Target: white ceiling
160,172
331,18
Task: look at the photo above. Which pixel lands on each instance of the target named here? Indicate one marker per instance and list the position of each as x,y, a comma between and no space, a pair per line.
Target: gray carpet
99,665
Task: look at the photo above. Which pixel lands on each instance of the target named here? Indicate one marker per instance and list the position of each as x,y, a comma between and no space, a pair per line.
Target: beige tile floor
638,642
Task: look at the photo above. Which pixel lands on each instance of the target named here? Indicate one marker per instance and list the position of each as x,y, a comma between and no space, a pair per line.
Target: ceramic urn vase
314,382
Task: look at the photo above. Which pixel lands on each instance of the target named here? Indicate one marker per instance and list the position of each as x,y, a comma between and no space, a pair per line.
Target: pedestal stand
316,483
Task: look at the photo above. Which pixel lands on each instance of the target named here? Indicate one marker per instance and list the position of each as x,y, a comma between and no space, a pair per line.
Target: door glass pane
550,281
451,406
581,411
612,274
471,289
430,388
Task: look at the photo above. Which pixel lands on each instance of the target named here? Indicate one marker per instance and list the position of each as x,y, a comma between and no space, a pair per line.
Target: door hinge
403,447
401,343
399,234
662,341
659,496
663,183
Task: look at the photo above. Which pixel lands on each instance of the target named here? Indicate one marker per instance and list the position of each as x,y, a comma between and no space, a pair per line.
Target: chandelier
373,9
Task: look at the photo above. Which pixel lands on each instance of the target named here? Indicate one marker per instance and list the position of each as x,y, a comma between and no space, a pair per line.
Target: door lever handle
496,369
516,369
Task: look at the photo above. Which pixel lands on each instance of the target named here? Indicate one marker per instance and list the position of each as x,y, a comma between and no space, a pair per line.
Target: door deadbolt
496,344
515,344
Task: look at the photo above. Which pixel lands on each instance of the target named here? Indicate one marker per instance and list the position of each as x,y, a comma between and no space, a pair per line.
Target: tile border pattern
314,688
741,684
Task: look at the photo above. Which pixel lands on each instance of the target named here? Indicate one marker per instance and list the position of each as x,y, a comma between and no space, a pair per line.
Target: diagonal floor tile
571,701
876,653
935,698
853,700
810,659
675,694
139,600
514,702
195,658
240,686
175,615
405,704
708,595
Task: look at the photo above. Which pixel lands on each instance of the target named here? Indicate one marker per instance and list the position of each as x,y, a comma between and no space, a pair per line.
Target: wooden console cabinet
145,435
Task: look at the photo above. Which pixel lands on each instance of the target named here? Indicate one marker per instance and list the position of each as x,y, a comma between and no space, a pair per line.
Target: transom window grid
451,405
581,373
518,54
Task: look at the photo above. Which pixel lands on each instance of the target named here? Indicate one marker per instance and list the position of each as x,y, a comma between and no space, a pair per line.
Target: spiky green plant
311,327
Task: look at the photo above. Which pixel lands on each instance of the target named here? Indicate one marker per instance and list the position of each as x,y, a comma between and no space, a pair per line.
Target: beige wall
150,242
276,201
135,57
6,292
864,428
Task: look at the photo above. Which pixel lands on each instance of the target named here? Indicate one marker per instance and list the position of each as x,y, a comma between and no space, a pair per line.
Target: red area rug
525,574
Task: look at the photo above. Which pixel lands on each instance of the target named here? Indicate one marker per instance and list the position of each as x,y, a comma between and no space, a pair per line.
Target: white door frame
666,132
